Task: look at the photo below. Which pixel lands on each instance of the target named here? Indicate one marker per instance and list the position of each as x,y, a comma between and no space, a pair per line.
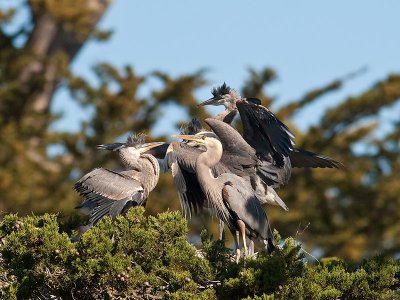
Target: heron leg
251,248
221,231
237,247
242,229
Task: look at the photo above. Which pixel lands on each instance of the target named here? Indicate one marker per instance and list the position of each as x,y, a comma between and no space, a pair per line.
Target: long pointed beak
111,147
211,101
188,138
148,146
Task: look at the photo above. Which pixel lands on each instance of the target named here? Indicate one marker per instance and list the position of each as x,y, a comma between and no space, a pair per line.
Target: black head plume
135,140
192,127
221,90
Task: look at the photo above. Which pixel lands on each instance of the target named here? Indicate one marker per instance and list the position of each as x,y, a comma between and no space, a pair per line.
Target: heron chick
112,193
230,197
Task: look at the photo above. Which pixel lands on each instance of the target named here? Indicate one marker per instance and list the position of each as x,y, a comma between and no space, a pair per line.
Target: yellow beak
148,146
189,138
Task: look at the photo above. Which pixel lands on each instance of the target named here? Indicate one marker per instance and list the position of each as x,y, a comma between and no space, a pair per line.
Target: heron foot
245,254
254,255
251,248
237,255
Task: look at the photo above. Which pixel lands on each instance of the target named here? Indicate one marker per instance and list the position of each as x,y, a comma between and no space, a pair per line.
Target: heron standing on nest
111,193
230,197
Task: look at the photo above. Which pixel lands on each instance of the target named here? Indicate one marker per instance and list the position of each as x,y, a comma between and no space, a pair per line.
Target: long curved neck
211,186
208,159
149,173
231,110
145,167
204,163
130,158
227,116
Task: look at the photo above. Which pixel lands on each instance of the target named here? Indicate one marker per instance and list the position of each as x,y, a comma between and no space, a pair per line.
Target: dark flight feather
265,132
306,159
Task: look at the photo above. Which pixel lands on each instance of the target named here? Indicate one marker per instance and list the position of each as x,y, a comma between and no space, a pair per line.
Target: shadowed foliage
148,257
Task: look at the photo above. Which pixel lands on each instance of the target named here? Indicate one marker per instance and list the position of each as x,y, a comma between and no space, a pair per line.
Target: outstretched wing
300,158
110,184
265,132
108,193
181,159
273,175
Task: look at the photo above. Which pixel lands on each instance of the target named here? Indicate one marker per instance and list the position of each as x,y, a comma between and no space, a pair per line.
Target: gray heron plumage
237,150
238,158
106,192
230,197
271,139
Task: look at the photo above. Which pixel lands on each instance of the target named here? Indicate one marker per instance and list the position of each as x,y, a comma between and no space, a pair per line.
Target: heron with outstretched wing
271,139
111,193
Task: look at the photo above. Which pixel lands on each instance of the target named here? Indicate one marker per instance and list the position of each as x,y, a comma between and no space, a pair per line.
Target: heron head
134,145
203,138
137,142
223,95
192,128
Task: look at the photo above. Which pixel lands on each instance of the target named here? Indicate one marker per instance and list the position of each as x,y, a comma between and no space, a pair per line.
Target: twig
310,255
72,291
297,231
163,280
304,229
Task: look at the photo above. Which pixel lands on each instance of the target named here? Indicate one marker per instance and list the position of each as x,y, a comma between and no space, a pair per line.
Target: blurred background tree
350,214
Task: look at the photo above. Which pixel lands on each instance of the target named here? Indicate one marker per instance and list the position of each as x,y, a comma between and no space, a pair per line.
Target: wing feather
107,193
265,132
110,184
306,159
181,159
159,151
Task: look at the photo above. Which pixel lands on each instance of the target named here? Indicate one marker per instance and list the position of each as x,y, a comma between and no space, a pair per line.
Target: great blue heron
243,161
230,197
111,193
271,139
237,158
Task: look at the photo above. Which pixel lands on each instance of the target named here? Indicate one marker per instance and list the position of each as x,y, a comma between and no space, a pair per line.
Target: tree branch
50,37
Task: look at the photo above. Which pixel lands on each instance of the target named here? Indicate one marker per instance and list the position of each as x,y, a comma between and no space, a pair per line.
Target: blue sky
309,43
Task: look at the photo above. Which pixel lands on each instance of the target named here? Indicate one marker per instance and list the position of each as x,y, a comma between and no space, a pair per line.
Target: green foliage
140,256
264,274
376,278
132,257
